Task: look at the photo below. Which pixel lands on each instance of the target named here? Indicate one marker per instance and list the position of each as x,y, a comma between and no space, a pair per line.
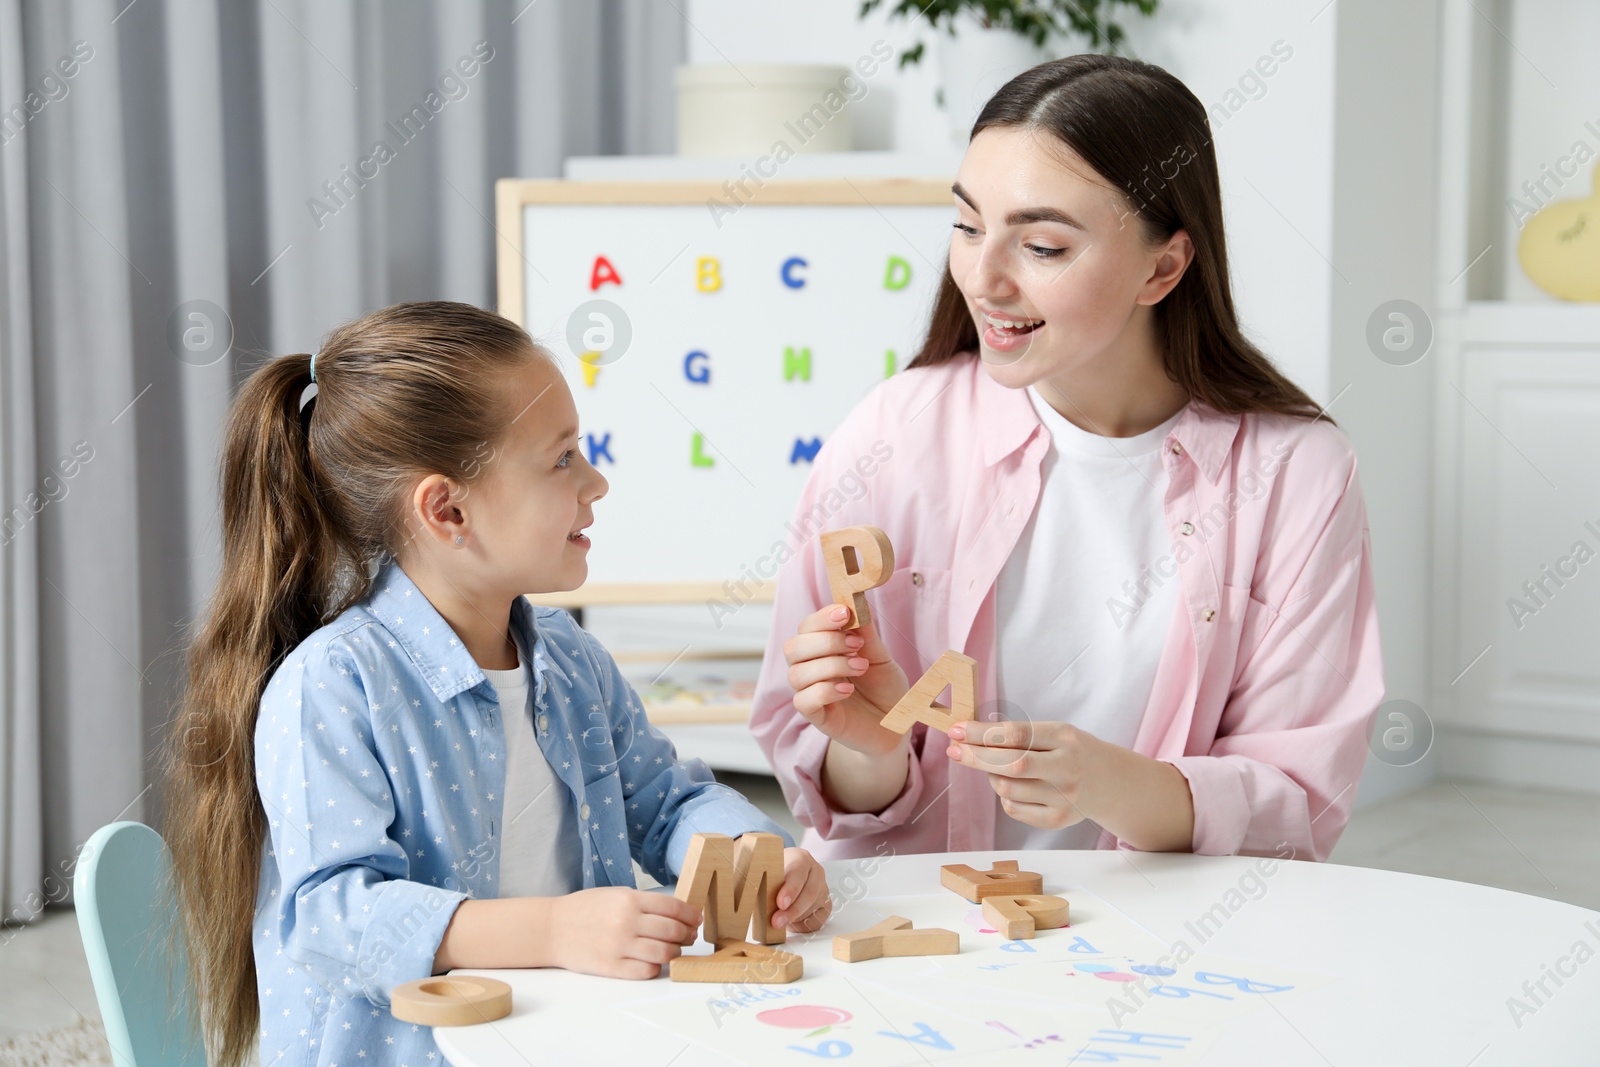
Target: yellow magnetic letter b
707,274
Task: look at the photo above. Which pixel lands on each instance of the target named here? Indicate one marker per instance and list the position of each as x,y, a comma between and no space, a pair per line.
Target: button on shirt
381,764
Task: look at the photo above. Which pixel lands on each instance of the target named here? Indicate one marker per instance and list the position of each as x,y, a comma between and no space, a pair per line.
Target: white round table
1168,959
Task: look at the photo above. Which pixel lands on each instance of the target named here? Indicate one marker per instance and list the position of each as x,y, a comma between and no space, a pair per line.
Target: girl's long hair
1142,130
311,499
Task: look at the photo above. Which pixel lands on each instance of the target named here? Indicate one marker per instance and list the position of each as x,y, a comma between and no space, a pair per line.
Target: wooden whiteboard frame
511,195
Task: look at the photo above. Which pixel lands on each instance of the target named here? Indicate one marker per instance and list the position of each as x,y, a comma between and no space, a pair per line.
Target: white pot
727,111
973,64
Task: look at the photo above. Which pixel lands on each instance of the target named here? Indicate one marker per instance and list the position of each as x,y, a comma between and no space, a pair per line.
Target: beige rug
77,1045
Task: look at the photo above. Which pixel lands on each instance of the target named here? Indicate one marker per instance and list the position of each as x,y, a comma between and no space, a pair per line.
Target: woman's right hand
845,681
617,932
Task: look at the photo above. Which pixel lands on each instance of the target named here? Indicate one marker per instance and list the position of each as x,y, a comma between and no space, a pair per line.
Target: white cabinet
1516,577
1526,526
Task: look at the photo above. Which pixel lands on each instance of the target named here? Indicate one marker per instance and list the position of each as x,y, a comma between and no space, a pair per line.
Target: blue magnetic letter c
785,271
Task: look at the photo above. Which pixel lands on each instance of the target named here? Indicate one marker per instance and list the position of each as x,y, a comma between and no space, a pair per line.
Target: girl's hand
619,932
845,682
804,902
1045,773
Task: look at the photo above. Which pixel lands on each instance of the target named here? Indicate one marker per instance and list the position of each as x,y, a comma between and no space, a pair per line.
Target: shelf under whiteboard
695,711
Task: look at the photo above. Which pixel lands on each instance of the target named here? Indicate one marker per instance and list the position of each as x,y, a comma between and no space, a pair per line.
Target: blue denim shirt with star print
380,763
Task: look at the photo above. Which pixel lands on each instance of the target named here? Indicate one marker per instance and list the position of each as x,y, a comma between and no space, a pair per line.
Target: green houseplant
1037,20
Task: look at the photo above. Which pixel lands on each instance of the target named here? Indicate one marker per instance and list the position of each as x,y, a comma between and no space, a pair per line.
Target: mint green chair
126,913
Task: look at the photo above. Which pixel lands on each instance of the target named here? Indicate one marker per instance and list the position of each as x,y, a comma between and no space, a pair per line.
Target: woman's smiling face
1051,260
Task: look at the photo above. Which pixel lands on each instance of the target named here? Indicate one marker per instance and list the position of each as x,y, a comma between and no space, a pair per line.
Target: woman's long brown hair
311,500
1144,132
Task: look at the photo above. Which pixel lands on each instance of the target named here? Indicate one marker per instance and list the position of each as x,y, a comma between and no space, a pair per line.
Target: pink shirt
1271,673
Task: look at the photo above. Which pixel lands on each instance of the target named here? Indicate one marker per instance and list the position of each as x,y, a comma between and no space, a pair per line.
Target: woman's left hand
1045,773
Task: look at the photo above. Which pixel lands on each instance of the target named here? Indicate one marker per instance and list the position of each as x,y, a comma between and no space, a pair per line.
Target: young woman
387,764
1148,538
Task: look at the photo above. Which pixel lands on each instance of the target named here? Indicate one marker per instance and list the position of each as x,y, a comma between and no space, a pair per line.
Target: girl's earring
460,539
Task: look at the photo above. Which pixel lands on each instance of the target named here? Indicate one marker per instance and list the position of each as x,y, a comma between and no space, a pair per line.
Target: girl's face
1051,260
528,512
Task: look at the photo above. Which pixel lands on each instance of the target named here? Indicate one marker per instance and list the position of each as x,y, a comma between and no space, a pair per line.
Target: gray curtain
187,188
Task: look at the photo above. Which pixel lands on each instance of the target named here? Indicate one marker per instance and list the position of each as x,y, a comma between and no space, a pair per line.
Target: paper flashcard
1065,1032
1205,991
826,1017
1125,992
1103,964
1025,1024
1109,1045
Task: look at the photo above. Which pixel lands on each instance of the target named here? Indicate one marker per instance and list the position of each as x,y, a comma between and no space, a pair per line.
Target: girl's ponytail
277,575
310,498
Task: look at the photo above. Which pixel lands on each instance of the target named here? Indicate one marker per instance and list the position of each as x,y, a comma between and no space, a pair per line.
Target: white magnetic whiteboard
754,331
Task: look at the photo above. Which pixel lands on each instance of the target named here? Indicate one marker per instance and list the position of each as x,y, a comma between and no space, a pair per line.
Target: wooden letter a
952,669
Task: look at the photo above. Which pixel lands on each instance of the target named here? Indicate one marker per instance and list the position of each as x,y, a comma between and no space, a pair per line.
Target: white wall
1385,187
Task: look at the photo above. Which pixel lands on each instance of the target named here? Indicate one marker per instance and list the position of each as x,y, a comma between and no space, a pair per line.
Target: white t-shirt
1083,609
539,843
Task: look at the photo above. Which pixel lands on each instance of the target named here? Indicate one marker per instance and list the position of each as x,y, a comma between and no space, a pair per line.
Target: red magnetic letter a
603,272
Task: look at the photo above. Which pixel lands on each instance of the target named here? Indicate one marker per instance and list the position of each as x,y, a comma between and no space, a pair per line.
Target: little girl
388,763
